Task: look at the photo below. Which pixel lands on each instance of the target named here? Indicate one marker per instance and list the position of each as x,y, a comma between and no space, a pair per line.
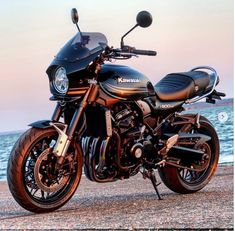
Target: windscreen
81,46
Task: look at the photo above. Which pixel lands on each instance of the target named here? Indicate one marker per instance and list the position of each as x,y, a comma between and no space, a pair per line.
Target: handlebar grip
144,52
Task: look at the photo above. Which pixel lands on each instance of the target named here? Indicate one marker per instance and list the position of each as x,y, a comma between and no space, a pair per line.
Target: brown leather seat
182,86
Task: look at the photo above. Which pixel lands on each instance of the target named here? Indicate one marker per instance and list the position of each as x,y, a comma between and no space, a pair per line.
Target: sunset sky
186,33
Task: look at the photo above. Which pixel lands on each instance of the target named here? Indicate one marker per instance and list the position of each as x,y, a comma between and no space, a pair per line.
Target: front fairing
72,67
75,56
79,51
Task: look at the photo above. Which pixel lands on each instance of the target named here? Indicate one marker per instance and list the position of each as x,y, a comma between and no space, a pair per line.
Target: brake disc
43,177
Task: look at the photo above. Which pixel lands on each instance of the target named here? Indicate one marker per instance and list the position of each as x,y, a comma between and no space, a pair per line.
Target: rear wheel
34,178
188,181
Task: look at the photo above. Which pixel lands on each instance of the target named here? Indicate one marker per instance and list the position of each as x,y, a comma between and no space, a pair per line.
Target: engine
129,126
121,153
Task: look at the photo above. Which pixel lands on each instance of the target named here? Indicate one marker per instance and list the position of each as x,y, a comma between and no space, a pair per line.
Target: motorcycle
112,121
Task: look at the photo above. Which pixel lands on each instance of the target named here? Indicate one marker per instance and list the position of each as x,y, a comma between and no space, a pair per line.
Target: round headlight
60,81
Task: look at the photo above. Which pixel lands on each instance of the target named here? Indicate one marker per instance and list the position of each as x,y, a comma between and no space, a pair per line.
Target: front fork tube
57,113
66,135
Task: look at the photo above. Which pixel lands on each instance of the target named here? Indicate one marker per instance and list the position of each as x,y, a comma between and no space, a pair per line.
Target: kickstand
155,184
151,175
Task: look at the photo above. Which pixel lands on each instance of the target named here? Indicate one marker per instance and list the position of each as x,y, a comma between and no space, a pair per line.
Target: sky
185,33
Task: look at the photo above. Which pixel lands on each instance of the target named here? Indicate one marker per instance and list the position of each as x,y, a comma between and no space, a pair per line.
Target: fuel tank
123,82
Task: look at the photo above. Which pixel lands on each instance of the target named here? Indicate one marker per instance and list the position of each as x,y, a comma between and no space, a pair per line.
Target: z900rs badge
166,106
123,80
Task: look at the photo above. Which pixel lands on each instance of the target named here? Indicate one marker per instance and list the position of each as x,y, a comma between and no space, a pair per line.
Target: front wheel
34,178
188,181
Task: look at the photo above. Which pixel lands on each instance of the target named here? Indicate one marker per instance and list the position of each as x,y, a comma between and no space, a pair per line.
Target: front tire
183,183
29,156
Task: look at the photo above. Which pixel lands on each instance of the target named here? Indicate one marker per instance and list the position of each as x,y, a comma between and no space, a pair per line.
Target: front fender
41,124
47,124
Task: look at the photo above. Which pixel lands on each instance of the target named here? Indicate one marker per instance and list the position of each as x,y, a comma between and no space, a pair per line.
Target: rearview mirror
144,19
74,15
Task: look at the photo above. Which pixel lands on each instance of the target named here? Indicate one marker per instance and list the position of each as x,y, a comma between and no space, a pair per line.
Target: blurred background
185,34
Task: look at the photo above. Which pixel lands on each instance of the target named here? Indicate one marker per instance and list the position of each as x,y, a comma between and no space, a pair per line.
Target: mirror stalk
79,30
122,42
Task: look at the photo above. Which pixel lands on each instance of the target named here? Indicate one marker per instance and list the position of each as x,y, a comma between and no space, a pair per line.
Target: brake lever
118,54
127,54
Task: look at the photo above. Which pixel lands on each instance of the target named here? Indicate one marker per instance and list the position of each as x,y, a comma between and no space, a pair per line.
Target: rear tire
171,175
21,172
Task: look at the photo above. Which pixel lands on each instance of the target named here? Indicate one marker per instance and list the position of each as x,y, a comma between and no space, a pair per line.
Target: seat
182,86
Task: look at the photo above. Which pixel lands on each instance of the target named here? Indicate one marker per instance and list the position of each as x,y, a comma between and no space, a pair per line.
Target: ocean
223,125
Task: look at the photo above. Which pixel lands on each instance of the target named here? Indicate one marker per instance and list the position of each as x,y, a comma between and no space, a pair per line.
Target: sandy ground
130,204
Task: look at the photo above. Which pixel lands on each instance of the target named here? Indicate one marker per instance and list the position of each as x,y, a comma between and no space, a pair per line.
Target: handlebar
127,51
144,52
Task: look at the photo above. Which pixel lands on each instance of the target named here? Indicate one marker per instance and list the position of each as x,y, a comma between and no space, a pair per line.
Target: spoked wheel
35,180
185,180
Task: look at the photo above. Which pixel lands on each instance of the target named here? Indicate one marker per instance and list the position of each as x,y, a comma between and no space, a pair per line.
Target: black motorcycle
112,121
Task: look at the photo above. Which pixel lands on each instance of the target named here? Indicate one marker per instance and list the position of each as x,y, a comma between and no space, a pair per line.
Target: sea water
223,128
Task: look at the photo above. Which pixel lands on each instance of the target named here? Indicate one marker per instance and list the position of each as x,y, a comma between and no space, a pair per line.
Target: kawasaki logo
123,80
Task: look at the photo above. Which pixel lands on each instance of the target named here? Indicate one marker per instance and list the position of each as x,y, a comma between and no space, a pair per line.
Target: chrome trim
108,122
197,98
62,142
145,108
92,81
54,78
